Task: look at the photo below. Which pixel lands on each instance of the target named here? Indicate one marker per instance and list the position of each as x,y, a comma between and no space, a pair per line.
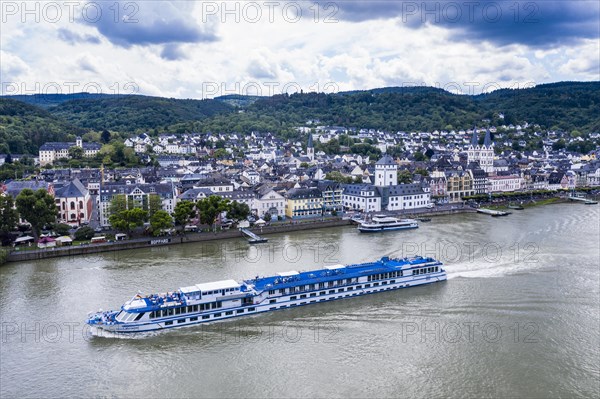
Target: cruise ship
221,300
383,223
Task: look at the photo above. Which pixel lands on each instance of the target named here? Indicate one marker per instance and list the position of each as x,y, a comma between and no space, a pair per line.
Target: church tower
386,172
310,148
483,154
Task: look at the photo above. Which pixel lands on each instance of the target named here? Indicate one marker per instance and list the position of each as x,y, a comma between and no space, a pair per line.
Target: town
285,180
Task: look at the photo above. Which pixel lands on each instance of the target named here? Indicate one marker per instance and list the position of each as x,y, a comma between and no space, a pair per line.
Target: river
518,317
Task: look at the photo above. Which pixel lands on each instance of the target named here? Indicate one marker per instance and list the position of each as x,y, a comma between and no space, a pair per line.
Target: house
269,201
137,196
304,203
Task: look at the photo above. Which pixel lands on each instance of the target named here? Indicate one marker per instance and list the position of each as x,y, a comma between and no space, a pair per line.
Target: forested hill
564,106
131,113
24,128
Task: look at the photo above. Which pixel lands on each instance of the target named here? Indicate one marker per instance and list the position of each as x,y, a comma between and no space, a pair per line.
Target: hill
50,100
134,113
24,127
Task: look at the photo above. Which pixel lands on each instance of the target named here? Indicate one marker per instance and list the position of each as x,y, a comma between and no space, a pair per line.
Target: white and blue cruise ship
220,300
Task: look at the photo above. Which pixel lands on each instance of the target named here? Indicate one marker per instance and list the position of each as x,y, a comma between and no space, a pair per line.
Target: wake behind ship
220,300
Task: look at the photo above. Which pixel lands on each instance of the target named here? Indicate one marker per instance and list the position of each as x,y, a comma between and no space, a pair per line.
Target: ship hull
282,303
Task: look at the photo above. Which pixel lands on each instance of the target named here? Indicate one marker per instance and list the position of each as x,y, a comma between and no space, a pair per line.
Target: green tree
238,211
61,229
38,208
105,136
338,177
76,152
8,215
404,176
209,208
8,219
267,217
184,211
422,172
159,221
128,219
84,233
118,203
419,156
154,204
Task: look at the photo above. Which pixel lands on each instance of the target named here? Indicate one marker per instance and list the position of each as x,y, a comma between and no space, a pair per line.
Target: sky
203,49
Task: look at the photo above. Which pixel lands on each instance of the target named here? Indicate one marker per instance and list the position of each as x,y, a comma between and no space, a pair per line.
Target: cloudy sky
201,49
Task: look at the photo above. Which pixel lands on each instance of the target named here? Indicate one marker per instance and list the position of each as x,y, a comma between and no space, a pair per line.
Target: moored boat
384,223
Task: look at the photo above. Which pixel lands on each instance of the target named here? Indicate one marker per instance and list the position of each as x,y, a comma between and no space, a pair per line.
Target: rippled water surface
518,317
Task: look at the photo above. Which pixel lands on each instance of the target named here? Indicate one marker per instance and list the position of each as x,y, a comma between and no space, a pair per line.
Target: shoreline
283,227
153,242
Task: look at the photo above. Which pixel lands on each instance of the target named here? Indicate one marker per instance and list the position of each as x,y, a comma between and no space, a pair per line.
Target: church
386,194
484,154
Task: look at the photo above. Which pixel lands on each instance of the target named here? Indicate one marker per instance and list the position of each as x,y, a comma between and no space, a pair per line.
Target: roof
284,280
386,160
73,189
217,285
474,139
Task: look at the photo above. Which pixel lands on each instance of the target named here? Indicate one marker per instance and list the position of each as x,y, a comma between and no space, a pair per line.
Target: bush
84,233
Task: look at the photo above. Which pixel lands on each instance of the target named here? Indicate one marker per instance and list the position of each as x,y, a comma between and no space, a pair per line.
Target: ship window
313,294
292,298
139,316
193,319
271,292
168,323
217,315
358,287
332,292
311,287
341,290
273,301
376,285
322,293
436,269
251,309
205,317
321,285
393,281
350,288
177,310
195,308
229,313
240,311
367,285
282,291
180,321
302,296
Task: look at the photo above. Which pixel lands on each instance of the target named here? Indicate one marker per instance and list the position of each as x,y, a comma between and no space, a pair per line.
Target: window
205,317
302,296
168,323
292,298
322,293
229,313
332,292
193,319
273,301
180,321
217,315
239,311
251,309
313,294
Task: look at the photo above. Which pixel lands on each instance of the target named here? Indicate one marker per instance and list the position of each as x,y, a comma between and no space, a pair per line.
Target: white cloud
353,55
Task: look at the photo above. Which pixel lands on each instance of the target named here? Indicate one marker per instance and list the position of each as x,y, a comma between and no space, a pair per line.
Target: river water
518,317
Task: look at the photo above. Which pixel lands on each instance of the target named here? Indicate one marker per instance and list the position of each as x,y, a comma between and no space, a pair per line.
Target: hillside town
288,180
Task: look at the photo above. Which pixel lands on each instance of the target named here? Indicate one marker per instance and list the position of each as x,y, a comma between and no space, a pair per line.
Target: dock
254,239
492,212
584,200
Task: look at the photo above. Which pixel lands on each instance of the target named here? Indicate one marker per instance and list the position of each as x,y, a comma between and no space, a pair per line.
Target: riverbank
150,242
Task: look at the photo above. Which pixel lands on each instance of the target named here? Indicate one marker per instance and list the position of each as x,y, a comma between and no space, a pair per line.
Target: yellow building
304,203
